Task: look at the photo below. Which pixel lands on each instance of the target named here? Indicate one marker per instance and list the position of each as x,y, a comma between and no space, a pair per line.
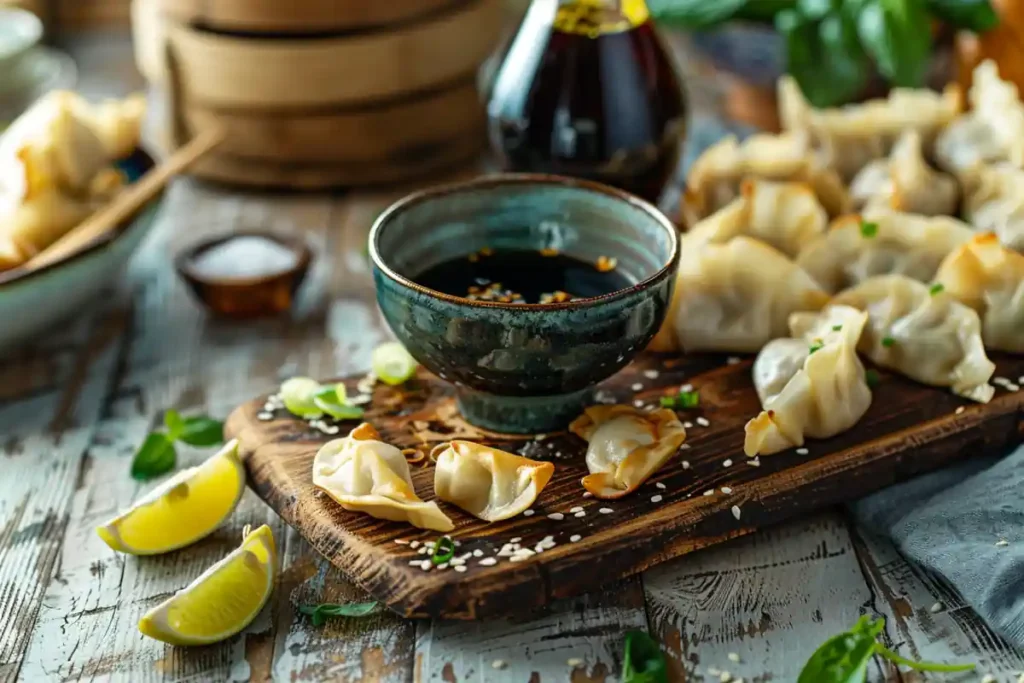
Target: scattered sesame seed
638,403
637,387
685,388
540,437
498,664
725,677
574,538
443,565
733,657
703,422
517,539
265,417
1011,387
709,492
528,513
685,447
686,464
937,607
557,516
576,509
574,662
413,544
726,490
988,678
655,499
1001,543
733,360
401,541
727,462
587,494
478,553
754,462
687,425
520,556
606,511
660,485
425,565
1000,380
488,562
712,671
580,514
460,568
736,511
802,451
653,374
415,563
456,562
959,410
429,544
423,550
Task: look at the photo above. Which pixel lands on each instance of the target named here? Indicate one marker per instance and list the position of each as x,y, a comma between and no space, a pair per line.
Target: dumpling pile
56,168
905,182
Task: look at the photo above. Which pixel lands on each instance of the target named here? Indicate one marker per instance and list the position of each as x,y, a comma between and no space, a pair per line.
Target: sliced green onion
872,378
393,364
868,229
668,401
444,550
837,328
936,288
688,399
888,341
816,346
297,394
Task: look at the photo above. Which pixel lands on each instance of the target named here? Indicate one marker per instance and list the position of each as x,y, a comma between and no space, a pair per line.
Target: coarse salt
754,462
686,464
733,657
638,403
653,374
709,492
687,425
588,494
686,388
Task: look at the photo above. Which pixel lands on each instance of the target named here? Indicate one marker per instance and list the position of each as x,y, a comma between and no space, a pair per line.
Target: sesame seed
725,677
733,360
456,562
685,447
576,509
423,550
960,410
429,544
703,422
488,562
733,657
415,563
727,462
588,494
709,492
540,437
686,464
726,490
460,568
574,538
264,416
1012,387
638,403
655,499
478,553
685,388
606,511
1000,380
401,541
413,544
528,513
498,664
936,608
653,374
637,387
660,485
754,462
520,557
516,539
574,662
443,565
802,451
579,514
988,678
687,425
557,516
425,565
736,511
1002,543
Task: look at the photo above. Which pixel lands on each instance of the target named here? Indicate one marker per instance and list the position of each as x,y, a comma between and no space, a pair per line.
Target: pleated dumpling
847,138
994,202
923,333
626,446
905,182
989,278
714,179
488,483
992,131
810,385
735,296
881,242
785,215
31,225
364,474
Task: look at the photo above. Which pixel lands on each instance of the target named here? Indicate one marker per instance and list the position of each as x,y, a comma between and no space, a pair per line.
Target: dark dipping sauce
523,277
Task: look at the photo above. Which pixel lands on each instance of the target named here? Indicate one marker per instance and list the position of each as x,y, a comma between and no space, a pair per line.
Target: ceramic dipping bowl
523,368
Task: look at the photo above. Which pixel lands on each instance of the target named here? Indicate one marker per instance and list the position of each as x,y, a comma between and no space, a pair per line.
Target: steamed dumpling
994,202
810,385
626,446
927,336
881,242
905,182
989,278
785,215
847,138
32,225
992,131
735,296
714,179
488,483
364,474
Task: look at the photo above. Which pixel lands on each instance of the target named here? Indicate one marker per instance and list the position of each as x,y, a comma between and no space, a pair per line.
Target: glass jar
588,89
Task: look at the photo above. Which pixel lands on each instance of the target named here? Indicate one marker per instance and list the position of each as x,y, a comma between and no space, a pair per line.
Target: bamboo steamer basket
299,16
233,72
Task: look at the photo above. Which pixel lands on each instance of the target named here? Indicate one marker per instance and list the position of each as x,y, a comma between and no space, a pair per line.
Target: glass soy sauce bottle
587,89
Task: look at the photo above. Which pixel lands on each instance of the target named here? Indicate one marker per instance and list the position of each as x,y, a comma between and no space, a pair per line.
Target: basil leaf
318,614
973,15
816,9
811,44
643,661
156,456
897,36
844,658
174,424
202,431
694,14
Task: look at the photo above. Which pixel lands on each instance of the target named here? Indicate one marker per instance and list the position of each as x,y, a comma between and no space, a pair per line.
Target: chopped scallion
868,229
936,288
888,341
444,550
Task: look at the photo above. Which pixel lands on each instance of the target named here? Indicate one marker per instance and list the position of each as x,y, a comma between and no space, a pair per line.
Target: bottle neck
594,18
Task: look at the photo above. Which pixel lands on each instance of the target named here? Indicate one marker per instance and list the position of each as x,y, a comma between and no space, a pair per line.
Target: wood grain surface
909,429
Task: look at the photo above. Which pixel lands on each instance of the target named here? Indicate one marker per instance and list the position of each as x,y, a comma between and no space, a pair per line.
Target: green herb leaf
837,328
668,401
888,342
937,288
694,14
643,661
444,550
973,15
174,424
920,666
832,41
688,399
896,34
331,400
816,346
201,431
844,658
156,456
872,378
816,9
868,229
318,614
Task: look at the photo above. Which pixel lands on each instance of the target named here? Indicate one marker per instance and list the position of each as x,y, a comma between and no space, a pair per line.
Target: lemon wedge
182,510
223,600
393,363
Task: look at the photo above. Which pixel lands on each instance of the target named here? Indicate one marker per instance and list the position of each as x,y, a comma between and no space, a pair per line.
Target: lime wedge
298,394
331,400
393,364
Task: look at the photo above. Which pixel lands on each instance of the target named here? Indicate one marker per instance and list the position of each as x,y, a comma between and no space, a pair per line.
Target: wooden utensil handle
128,202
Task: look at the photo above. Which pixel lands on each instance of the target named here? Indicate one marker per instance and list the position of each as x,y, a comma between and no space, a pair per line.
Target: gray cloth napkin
950,521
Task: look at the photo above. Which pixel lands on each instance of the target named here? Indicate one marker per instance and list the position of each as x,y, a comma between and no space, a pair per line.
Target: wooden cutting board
909,429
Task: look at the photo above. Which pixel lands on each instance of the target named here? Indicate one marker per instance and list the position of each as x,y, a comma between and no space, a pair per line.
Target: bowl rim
498,179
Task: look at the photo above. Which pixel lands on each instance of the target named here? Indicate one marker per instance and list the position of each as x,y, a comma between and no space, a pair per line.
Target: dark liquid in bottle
521,276
600,104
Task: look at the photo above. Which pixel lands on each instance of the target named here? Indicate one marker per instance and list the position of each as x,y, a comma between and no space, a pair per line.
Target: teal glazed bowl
523,368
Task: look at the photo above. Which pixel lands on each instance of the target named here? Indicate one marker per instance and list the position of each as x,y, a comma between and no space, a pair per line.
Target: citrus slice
393,364
182,510
223,600
298,395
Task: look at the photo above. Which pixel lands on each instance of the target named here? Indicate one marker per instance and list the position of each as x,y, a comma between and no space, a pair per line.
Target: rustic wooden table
74,407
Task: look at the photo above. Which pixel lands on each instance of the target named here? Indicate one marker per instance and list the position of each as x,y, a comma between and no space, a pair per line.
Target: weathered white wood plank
906,593
772,598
